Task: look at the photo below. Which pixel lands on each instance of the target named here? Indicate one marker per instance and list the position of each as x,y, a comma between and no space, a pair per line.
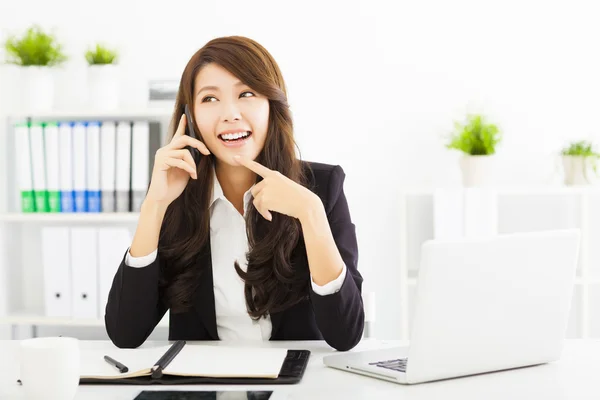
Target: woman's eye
206,99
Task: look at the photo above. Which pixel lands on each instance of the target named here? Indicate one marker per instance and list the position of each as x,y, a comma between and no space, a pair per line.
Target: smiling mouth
236,138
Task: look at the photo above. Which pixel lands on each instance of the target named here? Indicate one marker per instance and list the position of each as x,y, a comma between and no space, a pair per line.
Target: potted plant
103,78
577,159
477,139
36,53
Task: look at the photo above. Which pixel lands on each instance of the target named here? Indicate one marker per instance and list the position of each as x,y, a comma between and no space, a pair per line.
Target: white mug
50,368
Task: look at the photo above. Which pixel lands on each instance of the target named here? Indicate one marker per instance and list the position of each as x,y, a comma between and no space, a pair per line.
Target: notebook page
225,362
139,361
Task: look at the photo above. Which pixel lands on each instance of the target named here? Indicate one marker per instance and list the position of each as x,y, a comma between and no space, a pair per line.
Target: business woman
251,243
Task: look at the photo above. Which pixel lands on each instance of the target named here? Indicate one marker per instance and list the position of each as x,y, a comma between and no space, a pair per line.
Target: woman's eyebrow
216,88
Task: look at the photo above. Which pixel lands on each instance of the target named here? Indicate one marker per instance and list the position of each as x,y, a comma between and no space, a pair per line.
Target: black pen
166,359
116,364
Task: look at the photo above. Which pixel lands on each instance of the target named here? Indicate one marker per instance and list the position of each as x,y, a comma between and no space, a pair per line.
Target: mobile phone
190,131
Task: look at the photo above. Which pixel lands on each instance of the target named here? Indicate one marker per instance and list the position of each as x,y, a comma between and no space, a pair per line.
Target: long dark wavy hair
271,283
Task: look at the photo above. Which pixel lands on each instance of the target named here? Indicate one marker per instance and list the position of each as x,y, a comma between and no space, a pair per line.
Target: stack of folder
84,166
79,265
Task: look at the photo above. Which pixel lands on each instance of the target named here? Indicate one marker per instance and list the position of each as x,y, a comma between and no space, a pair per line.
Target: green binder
51,166
24,169
40,190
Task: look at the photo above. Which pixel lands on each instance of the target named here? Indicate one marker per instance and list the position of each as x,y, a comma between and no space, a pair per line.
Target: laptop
481,305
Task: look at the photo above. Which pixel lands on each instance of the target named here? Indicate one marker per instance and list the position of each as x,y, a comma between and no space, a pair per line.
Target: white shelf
590,281
512,190
580,211
30,318
578,281
165,111
21,279
69,217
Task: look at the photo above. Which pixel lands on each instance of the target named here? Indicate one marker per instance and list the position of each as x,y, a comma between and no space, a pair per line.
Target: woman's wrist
153,208
147,233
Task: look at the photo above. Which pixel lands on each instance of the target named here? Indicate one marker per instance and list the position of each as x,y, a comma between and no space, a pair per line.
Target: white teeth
233,136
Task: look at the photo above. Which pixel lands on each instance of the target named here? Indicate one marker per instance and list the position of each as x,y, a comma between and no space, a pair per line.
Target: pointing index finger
252,165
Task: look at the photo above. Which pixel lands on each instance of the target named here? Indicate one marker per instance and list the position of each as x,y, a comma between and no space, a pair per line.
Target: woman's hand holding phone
173,166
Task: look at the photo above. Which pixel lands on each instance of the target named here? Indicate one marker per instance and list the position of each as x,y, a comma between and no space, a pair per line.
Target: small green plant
35,47
580,148
475,137
101,55
583,148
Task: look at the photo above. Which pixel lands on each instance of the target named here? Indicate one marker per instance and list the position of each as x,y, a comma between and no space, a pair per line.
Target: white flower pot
38,88
103,87
577,170
477,170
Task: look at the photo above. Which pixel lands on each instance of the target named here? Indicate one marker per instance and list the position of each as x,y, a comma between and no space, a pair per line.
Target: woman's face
232,118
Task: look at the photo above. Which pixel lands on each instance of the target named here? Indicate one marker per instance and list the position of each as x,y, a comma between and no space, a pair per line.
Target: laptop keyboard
398,364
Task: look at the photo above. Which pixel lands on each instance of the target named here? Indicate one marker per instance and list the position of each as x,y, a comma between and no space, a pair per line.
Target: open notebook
192,361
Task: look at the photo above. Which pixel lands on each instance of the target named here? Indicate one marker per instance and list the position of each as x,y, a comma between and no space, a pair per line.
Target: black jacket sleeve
340,316
134,308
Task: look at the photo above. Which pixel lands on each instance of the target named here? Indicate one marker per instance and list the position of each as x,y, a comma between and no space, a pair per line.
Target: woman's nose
231,113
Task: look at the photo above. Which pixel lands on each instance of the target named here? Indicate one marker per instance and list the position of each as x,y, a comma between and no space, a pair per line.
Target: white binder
84,272
123,166
79,166
93,166
107,165
112,246
57,271
140,161
22,151
65,140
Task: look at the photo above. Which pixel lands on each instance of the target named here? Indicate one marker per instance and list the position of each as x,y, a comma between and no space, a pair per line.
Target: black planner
291,371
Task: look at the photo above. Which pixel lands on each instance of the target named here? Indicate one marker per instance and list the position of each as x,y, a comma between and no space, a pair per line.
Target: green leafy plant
35,47
582,148
475,136
101,55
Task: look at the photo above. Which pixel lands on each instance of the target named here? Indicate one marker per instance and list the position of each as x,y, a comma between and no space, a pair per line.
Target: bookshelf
519,209
21,271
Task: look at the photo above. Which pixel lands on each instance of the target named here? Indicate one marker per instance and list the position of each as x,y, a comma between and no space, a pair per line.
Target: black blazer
134,305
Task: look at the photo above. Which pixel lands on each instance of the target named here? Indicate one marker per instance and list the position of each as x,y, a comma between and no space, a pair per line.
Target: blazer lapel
205,299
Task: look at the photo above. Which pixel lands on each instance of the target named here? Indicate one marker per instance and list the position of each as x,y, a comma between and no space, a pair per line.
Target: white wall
373,85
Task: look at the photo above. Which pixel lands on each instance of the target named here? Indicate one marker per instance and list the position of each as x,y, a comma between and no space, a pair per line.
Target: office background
373,85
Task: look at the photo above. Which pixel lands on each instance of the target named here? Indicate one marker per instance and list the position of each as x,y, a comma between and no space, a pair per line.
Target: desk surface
575,376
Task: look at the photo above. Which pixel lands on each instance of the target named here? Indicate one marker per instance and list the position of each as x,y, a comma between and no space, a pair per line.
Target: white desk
575,376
